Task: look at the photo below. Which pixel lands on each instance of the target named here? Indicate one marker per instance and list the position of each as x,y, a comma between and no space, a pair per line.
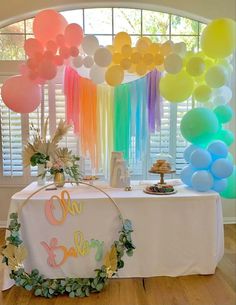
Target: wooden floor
217,289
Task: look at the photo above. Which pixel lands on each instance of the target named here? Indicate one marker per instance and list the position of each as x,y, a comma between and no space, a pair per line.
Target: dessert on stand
161,167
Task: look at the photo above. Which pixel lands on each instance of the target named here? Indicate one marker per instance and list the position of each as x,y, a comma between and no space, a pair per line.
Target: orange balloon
116,58
121,39
148,58
154,48
141,68
125,63
114,75
159,59
142,44
132,68
126,50
136,57
73,35
47,25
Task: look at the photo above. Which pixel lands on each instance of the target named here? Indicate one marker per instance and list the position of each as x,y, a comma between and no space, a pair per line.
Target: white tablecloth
174,235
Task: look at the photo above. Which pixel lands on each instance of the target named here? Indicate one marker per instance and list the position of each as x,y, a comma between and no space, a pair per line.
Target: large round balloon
216,76
218,149
202,181
47,69
47,25
219,185
102,57
218,39
73,35
200,159
225,92
176,87
199,125
230,191
186,175
90,44
222,168
224,113
20,94
188,151
97,74
121,39
114,75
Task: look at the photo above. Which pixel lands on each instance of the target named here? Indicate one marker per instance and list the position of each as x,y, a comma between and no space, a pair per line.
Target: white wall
14,10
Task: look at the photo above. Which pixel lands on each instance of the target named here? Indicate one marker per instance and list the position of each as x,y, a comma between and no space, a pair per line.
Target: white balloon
219,100
102,57
224,91
180,48
88,61
216,76
97,74
77,61
173,63
90,44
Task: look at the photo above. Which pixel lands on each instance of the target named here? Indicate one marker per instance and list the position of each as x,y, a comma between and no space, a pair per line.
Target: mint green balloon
226,136
224,113
199,125
230,191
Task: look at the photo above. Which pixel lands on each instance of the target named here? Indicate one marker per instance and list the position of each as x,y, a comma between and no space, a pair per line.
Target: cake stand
162,173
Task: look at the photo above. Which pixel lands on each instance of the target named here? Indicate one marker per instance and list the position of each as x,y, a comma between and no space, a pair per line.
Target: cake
161,166
160,188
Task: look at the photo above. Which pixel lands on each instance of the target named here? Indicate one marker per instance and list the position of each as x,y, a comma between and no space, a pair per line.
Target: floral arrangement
14,254
41,150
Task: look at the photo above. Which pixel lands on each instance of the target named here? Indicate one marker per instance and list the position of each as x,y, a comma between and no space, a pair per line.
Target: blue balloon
202,181
222,168
186,175
219,185
200,159
218,149
188,151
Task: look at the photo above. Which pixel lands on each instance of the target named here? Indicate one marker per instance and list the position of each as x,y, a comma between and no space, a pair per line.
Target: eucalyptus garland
14,253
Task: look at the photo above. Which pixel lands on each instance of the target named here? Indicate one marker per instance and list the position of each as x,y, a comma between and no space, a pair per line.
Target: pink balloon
60,40
74,51
48,55
32,46
20,94
73,35
47,69
64,52
59,60
47,25
24,69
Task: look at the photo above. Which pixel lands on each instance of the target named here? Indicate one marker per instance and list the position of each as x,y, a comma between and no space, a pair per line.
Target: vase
41,175
59,179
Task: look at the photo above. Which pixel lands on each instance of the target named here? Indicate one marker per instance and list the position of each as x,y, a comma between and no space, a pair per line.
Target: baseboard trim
229,220
3,224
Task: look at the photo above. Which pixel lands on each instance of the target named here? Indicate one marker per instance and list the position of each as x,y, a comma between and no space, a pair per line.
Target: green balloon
230,191
224,113
199,126
226,136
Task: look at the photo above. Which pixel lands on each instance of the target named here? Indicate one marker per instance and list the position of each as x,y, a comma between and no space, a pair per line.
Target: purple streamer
154,101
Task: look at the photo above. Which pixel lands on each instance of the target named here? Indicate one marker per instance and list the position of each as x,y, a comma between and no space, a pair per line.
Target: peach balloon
52,46
47,25
32,46
47,69
73,35
20,94
114,75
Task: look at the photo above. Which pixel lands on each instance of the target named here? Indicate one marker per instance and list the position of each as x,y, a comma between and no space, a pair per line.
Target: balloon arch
203,75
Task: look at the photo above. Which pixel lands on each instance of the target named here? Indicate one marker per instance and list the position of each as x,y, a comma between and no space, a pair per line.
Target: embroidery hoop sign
14,254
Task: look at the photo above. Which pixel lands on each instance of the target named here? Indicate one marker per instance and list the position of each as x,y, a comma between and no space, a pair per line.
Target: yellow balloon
141,68
142,44
126,50
148,59
117,57
125,63
187,57
136,57
218,39
159,59
176,87
110,48
114,75
154,48
195,66
202,93
121,39
132,68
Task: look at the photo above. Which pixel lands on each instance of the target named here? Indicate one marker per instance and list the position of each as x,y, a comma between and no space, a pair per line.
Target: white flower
48,164
69,164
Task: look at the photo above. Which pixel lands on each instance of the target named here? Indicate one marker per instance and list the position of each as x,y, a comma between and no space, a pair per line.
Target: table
174,235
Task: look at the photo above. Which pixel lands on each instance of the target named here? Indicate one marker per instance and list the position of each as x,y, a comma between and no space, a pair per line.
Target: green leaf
72,294
99,287
38,291
28,287
68,288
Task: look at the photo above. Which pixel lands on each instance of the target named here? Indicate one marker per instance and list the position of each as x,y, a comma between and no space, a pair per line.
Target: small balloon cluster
208,168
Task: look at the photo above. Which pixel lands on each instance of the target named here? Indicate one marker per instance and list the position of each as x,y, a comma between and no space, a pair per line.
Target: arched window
104,23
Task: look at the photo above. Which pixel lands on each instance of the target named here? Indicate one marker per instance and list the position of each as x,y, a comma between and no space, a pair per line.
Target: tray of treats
160,189
161,166
90,178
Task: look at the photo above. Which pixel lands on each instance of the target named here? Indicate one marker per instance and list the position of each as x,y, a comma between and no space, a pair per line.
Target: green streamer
122,119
